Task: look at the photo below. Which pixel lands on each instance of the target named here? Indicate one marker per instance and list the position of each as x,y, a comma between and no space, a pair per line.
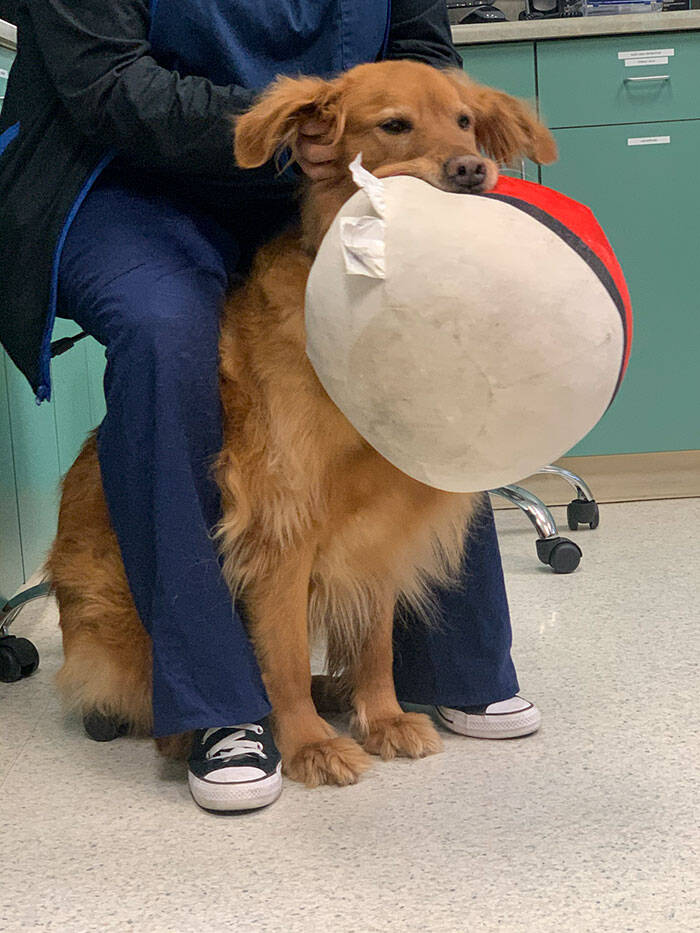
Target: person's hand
316,159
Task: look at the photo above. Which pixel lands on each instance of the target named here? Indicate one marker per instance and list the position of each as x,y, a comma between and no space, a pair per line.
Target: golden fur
320,535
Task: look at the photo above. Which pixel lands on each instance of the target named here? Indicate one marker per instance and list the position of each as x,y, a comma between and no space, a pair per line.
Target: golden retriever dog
320,535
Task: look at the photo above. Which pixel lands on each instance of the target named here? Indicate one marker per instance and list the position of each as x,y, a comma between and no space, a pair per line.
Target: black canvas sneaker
235,767
508,719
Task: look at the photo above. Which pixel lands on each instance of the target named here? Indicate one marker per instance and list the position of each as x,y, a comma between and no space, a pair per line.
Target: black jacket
85,85
8,10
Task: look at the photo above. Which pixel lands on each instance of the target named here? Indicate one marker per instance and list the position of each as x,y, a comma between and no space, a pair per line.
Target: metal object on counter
464,12
550,9
616,7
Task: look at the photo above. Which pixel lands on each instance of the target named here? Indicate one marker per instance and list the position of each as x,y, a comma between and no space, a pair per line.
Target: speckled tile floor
589,825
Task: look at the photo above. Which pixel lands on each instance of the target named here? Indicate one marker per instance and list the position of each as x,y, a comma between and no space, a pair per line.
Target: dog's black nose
465,172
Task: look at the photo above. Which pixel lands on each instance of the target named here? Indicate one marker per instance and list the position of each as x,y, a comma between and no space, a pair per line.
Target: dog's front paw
410,734
339,760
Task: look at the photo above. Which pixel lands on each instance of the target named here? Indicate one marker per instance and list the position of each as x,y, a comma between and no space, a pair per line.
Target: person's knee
169,321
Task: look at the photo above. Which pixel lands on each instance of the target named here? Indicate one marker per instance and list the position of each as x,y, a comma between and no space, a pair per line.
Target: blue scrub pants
145,271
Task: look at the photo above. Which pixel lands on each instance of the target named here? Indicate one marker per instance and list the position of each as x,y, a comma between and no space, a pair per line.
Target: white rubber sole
490,726
233,797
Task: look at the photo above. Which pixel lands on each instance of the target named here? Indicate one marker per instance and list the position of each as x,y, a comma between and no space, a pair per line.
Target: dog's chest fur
294,473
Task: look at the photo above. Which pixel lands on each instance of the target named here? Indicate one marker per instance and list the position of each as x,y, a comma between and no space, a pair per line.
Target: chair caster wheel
103,728
562,555
18,658
580,511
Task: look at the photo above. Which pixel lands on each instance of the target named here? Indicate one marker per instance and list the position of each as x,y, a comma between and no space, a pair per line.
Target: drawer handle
650,78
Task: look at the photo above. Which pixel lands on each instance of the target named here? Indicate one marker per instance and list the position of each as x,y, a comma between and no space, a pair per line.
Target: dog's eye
396,126
464,122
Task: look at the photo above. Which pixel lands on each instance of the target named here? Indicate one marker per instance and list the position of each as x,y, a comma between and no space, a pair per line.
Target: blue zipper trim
8,136
43,393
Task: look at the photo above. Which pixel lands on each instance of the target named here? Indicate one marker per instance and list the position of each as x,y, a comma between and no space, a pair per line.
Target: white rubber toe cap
230,796
508,719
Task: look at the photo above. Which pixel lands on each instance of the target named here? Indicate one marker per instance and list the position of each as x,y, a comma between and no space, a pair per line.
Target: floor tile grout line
19,754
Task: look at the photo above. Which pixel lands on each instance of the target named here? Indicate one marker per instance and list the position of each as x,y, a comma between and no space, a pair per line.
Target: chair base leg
561,554
583,510
18,656
13,606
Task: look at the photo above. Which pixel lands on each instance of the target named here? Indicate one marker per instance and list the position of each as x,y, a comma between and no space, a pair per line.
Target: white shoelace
236,743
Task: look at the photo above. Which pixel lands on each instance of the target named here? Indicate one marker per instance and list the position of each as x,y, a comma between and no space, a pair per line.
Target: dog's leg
385,729
311,751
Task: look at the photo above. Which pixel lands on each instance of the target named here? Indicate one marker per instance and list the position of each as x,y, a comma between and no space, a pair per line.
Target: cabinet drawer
6,59
585,82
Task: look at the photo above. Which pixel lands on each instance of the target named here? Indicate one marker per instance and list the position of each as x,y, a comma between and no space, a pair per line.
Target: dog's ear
273,122
506,128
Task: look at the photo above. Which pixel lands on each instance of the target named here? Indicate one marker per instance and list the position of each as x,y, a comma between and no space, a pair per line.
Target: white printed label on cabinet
647,53
635,62
648,140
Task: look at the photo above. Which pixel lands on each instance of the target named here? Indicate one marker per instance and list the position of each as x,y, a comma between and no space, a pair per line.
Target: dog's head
405,118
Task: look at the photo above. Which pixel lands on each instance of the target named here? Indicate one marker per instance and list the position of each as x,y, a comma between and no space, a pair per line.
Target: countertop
8,35
575,27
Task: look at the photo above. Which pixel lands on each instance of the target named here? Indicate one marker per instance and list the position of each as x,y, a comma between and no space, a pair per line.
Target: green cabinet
37,446
629,137
652,219
593,82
